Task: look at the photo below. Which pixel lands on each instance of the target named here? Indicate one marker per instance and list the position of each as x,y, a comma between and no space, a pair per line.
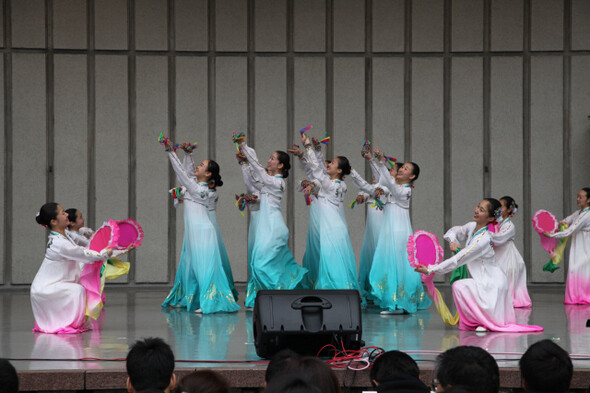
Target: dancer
507,255
57,297
577,285
273,265
394,284
483,301
76,229
201,284
252,200
337,264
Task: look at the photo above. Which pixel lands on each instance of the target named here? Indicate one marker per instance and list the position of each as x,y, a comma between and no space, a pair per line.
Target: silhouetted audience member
8,377
396,371
291,383
278,363
203,381
546,367
471,368
150,367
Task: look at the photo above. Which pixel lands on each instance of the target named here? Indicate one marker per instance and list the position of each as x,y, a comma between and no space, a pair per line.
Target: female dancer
577,285
57,297
508,257
273,265
394,285
483,301
337,264
201,284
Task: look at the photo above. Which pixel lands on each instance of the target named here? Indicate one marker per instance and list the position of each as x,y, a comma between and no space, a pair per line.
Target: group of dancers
496,282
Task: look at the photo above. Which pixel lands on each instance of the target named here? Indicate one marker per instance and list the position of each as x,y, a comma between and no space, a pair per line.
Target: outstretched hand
421,269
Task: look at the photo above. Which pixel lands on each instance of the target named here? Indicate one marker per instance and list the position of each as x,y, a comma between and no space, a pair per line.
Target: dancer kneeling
484,301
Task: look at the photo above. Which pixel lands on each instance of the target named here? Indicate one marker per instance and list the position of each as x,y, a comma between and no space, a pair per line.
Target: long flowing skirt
251,240
394,283
222,251
273,265
512,264
201,281
337,263
577,285
372,227
311,257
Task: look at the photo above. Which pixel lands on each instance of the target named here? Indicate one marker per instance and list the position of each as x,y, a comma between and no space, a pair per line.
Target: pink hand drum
105,236
544,221
423,249
130,233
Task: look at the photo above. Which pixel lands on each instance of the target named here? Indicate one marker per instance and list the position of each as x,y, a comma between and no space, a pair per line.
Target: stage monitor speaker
306,320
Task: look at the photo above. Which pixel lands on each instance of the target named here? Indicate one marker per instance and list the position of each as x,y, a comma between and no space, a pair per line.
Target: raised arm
475,250
362,184
183,178
581,223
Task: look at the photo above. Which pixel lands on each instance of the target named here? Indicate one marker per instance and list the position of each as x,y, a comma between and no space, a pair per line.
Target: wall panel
349,26
467,25
466,138
507,21
547,25
347,139
152,165
546,155
271,25
191,24
309,25
427,26
580,25
388,25
231,25
506,134
427,140
69,24
28,23
29,169
580,125
110,19
231,115
3,179
71,135
151,25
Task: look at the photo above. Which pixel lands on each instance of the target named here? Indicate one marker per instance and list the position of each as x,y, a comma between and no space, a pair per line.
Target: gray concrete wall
490,97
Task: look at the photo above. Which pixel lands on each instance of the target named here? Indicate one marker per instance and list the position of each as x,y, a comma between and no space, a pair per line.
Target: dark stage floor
225,341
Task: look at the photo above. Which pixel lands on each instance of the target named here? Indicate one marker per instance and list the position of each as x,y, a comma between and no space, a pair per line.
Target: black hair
587,191
8,377
510,203
393,362
279,362
286,161
318,372
471,367
71,214
415,170
494,208
344,166
292,383
47,213
546,367
202,381
150,364
215,178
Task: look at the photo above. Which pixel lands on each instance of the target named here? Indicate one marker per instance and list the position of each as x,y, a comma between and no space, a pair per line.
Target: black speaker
306,320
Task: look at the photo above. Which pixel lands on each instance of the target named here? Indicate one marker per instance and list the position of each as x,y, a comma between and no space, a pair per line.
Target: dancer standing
577,285
201,284
483,301
508,257
273,265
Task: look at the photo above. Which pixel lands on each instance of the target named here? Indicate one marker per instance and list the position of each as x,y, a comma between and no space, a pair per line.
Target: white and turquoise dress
394,283
337,264
201,281
273,265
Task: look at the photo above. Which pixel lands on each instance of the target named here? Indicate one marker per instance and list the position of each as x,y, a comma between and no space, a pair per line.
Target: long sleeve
579,223
257,169
318,170
506,233
79,254
460,233
362,184
478,248
374,165
194,189
252,186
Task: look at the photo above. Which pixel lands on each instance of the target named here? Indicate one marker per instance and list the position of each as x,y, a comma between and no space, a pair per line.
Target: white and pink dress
511,262
483,300
57,297
577,285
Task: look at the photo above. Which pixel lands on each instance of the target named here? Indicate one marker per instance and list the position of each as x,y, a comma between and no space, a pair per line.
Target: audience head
203,381
318,372
8,377
292,383
150,365
390,363
470,367
546,367
279,362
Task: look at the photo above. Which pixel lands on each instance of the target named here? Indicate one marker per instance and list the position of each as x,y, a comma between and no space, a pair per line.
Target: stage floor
226,340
